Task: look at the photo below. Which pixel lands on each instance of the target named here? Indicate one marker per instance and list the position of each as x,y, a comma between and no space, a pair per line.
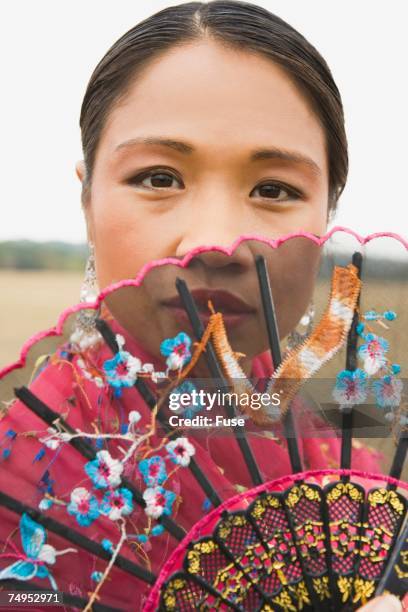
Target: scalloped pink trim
274,243
196,531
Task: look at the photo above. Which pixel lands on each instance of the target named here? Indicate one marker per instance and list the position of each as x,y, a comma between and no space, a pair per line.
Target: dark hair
235,24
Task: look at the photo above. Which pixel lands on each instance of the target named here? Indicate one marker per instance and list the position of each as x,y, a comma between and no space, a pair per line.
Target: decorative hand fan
194,439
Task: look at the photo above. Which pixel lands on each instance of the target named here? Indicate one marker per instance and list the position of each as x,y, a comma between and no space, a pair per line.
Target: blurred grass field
31,301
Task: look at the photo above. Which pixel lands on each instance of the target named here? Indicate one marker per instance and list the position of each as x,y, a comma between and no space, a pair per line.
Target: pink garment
59,386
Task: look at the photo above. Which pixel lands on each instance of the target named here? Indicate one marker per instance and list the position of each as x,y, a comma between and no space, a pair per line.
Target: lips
223,301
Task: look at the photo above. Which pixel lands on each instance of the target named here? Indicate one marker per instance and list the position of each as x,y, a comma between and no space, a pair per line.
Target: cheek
125,239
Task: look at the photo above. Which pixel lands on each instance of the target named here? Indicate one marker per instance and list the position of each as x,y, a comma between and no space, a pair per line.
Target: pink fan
208,434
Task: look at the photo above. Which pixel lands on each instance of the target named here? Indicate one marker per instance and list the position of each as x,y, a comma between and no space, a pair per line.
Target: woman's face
209,143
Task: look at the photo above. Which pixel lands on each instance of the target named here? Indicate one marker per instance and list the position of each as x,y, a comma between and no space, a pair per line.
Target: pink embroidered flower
180,451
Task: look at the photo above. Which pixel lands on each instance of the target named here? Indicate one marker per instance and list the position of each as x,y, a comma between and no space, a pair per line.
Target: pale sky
49,50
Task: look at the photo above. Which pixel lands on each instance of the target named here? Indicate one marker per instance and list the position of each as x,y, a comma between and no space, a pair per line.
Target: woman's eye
155,179
276,192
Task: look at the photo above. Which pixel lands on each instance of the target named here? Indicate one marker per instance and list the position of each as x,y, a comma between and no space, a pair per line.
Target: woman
204,122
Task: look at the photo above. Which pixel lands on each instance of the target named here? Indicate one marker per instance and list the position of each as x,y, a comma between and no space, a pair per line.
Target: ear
80,170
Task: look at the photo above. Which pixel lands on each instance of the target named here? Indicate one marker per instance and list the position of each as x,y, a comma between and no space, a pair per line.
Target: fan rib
351,364
217,373
273,336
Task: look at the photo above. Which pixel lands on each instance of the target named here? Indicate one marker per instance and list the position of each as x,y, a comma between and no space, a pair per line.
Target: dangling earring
85,333
297,336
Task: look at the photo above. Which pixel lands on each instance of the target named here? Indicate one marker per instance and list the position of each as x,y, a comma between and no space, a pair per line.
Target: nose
212,227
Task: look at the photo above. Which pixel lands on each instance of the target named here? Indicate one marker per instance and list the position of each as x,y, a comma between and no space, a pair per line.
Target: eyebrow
257,154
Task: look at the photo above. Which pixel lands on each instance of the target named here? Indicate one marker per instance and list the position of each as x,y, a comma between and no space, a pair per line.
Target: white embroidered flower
373,353
180,451
79,495
104,470
158,501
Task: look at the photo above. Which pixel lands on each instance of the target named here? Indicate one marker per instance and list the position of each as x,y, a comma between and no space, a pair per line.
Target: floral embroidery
373,353
122,369
387,391
104,471
153,470
180,451
177,350
37,554
351,387
105,497
117,503
158,501
84,506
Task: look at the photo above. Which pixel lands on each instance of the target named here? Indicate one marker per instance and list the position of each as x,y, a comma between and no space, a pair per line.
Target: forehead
217,97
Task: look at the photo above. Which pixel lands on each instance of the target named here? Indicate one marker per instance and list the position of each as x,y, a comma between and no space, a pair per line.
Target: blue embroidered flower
158,501
153,470
387,391
84,506
373,353
121,371
390,315
177,350
117,503
96,576
104,471
351,387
